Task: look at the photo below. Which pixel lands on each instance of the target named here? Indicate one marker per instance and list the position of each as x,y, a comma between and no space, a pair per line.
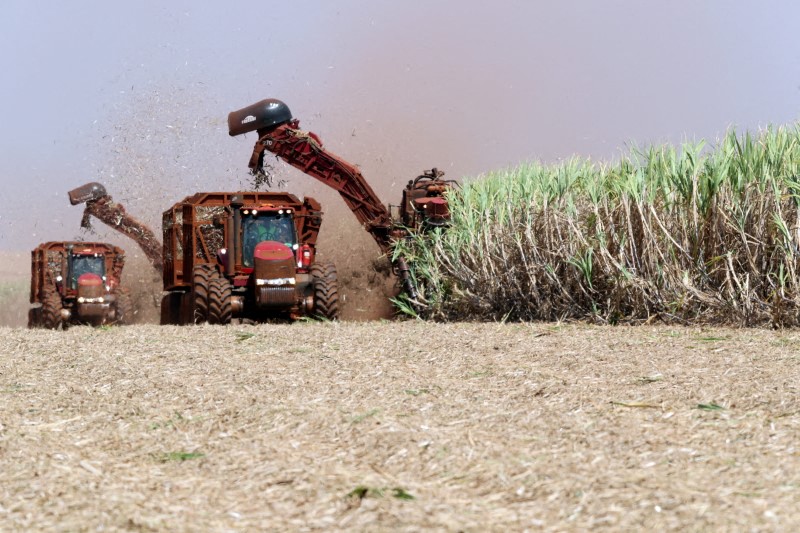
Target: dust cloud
393,88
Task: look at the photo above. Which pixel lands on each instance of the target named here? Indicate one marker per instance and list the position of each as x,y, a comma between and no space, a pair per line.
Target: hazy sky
136,94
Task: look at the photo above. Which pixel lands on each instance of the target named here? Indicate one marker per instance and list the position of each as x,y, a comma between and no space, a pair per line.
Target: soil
389,426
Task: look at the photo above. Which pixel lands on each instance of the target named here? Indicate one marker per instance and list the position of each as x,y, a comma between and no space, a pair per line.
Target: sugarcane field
400,268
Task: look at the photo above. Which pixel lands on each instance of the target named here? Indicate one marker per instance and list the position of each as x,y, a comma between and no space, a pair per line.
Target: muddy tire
326,291
51,310
34,317
201,278
219,300
123,307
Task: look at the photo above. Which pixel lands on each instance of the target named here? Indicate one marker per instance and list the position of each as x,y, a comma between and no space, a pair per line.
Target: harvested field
399,426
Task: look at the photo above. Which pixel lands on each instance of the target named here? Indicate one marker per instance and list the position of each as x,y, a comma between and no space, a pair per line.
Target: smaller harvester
77,283
245,255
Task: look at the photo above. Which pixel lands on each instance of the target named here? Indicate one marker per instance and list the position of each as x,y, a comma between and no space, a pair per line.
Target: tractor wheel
124,307
51,310
219,300
326,290
34,317
201,277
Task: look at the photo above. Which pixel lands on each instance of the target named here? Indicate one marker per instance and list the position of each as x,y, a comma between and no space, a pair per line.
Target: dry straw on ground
399,426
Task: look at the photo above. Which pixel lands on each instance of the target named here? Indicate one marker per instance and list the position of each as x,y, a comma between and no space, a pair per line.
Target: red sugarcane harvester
247,255
423,206
77,283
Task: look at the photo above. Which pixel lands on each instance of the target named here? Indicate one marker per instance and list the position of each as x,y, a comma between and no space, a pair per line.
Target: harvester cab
270,248
77,283
424,205
86,267
267,224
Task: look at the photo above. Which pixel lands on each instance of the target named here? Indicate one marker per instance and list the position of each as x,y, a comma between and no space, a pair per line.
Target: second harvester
77,283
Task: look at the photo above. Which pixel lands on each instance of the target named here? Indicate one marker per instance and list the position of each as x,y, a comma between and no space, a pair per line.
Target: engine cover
273,260
90,286
274,275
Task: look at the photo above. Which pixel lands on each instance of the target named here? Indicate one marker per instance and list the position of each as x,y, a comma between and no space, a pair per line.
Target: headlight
98,300
277,281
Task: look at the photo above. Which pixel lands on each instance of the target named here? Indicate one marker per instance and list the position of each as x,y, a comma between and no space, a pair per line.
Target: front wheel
51,310
34,317
201,278
123,307
220,307
326,290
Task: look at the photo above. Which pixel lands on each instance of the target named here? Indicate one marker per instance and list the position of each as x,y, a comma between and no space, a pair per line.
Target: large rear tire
220,308
326,290
51,310
201,278
123,307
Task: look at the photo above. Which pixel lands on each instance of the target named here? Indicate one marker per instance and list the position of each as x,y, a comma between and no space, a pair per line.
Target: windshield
83,264
266,227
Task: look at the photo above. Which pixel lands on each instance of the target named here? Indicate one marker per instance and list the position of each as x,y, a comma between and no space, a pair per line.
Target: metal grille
276,296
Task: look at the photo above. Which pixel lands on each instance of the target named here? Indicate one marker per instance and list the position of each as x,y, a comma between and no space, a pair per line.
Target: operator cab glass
86,264
267,226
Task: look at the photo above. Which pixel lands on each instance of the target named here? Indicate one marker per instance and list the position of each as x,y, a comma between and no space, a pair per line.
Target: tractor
77,283
248,256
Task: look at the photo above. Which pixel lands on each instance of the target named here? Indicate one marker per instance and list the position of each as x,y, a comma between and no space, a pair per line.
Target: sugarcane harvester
424,202
245,255
78,283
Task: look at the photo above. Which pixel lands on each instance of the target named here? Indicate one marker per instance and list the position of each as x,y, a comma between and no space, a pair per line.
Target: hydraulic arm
304,151
100,205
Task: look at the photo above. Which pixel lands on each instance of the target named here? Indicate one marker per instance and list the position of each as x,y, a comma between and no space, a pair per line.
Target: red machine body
246,255
77,283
